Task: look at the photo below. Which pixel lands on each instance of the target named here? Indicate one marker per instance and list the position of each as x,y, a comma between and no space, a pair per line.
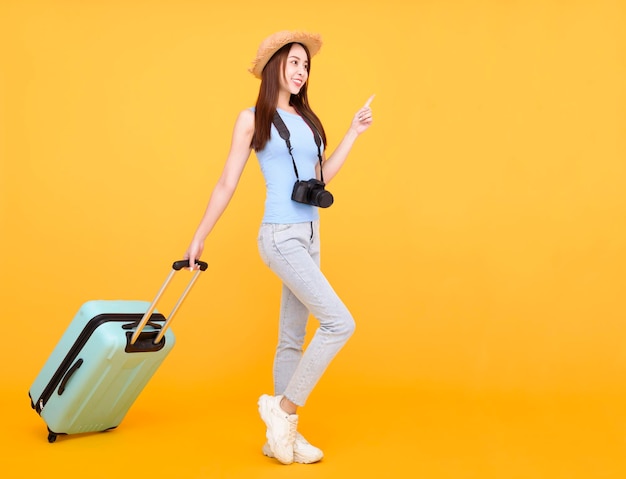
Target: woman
289,234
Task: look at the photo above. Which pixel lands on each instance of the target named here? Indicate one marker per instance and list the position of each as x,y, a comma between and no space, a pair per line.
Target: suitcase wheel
52,437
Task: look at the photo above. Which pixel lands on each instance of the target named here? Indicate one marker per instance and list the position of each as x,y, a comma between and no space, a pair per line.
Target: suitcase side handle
176,266
68,375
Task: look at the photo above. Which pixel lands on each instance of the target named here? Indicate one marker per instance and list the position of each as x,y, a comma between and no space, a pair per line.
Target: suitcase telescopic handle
184,263
176,266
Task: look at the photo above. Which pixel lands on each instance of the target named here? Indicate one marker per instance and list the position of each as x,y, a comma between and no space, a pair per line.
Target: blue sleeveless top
277,169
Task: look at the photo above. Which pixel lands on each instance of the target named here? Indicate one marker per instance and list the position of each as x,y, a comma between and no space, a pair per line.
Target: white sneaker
281,428
303,451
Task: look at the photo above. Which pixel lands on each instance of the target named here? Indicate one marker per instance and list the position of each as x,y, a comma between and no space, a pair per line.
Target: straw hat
273,43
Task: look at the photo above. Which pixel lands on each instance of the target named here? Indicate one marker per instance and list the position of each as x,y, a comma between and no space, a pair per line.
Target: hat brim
273,43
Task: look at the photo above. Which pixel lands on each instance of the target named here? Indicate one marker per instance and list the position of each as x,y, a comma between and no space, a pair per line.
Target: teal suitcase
103,361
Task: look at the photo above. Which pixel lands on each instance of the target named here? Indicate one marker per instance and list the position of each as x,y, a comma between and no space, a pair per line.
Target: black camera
312,192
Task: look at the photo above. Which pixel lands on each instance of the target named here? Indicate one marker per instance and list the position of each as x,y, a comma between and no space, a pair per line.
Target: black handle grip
184,263
68,375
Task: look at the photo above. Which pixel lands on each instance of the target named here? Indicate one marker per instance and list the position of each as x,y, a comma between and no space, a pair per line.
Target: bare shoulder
245,120
244,129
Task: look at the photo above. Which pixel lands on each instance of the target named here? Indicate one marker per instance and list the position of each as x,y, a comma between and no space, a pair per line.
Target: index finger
369,100
192,262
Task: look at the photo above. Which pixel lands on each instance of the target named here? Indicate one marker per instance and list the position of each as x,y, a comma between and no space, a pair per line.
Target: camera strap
285,135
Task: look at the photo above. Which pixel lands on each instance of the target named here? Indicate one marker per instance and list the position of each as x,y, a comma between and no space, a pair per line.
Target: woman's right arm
226,185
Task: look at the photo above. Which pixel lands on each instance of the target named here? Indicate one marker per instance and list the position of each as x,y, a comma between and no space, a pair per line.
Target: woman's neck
284,103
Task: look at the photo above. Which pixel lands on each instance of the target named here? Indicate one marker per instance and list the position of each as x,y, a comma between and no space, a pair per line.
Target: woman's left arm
360,122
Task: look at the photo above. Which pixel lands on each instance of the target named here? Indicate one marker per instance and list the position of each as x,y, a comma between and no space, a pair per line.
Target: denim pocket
279,228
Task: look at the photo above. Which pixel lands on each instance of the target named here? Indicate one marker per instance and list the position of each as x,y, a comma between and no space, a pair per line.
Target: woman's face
295,74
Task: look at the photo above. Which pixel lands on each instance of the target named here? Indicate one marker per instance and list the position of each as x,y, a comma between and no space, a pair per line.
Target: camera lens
324,199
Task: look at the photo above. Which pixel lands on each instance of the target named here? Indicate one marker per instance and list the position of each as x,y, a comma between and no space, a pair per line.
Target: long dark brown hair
268,99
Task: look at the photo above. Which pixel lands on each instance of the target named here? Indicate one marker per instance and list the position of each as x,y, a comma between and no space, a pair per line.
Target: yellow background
478,233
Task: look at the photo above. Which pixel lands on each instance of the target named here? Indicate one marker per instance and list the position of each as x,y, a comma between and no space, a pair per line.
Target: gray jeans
292,251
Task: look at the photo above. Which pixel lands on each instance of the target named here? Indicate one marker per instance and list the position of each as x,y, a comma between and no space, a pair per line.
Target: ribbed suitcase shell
94,375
